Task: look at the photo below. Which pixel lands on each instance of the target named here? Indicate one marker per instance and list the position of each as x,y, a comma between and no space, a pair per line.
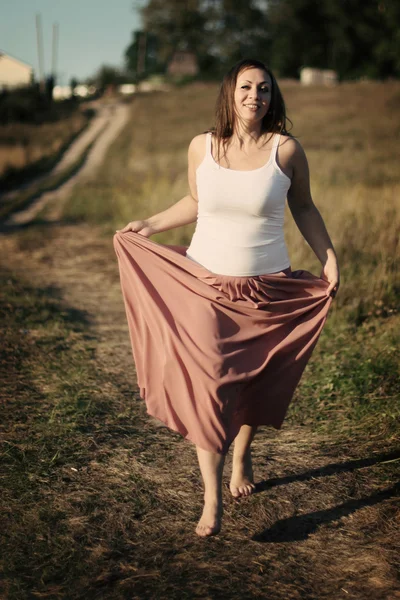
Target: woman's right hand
142,227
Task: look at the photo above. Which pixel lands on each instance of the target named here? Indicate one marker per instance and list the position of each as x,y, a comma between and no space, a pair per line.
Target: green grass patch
353,380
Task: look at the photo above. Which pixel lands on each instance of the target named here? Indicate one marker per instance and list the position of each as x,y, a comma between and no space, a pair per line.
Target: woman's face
252,95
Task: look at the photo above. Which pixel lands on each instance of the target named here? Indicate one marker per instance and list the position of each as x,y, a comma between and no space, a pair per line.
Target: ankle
240,459
213,498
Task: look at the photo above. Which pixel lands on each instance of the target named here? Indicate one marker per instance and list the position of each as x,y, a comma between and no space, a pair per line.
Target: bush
29,105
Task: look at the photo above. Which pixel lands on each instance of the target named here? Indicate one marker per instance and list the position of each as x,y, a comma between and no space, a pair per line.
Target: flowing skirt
214,352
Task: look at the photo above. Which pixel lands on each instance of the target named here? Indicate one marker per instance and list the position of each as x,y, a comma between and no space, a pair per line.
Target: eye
264,89
244,86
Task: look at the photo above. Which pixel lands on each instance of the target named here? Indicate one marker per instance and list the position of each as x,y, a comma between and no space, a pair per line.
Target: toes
200,530
243,490
235,492
206,531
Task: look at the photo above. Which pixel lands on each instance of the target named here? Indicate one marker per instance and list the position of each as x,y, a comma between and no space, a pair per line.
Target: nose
255,93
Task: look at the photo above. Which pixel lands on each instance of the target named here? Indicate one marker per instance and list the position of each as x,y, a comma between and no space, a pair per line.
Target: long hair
275,121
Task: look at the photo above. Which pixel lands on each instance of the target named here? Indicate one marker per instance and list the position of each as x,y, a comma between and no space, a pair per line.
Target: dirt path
102,131
321,526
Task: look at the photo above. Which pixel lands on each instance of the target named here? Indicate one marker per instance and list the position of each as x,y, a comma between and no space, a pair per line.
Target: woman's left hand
330,273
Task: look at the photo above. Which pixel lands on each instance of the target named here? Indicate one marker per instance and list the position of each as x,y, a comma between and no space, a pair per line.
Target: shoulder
292,155
290,147
197,149
198,144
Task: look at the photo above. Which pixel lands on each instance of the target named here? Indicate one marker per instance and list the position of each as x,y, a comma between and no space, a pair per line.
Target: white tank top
239,229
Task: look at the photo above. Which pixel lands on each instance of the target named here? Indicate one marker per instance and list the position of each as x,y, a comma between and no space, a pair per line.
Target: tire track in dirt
102,131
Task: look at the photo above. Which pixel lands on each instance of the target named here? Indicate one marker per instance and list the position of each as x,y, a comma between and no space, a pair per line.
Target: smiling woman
221,331
253,94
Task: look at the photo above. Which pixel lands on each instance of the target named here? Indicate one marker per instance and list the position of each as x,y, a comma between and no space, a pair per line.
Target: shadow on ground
326,471
300,527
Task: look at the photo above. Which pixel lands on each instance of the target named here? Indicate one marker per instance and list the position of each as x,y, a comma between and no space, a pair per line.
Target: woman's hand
142,227
330,273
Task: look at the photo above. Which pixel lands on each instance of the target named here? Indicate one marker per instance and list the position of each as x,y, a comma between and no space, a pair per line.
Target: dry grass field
99,501
27,149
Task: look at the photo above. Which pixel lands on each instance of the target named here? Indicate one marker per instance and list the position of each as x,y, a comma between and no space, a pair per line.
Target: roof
25,64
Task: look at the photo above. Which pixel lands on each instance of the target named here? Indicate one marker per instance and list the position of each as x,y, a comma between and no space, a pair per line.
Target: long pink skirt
214,352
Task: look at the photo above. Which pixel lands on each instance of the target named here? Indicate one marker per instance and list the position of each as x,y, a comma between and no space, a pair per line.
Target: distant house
183,63
62,92
13,72
309,76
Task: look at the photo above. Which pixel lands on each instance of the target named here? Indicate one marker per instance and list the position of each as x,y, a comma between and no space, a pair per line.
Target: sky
91,33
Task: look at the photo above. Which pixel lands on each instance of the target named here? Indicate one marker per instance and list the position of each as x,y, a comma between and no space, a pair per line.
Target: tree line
356,38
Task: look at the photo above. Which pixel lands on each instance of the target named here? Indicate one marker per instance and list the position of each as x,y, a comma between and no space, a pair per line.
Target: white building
13,72
127,88
309,76
62,92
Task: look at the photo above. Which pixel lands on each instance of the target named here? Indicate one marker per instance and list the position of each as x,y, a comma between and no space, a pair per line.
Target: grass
98,500
27,150
352,383
24,198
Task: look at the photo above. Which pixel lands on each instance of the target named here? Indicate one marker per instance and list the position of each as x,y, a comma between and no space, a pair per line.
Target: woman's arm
308,218
182,212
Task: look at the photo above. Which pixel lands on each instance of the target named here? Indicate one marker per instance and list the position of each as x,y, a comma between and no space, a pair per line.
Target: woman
222,331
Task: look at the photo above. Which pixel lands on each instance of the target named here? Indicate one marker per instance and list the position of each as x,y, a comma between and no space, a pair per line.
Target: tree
108,75
237,29
219,32
364,37
299,36
354,37
141,56
176,24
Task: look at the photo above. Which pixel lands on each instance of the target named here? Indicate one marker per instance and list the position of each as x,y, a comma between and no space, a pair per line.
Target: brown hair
275,121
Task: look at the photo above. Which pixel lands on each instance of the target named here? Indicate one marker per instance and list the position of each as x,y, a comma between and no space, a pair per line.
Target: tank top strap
208,145
275,144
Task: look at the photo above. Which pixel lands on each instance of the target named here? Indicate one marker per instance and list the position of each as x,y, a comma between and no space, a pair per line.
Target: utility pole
55,51
39,37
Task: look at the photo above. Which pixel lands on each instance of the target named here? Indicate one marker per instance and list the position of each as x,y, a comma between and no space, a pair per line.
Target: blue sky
91,33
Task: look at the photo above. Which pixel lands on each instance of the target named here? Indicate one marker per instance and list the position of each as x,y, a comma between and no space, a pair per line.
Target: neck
247,133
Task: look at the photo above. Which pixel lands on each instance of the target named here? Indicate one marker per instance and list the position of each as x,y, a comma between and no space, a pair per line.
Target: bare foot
242,480
210,521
